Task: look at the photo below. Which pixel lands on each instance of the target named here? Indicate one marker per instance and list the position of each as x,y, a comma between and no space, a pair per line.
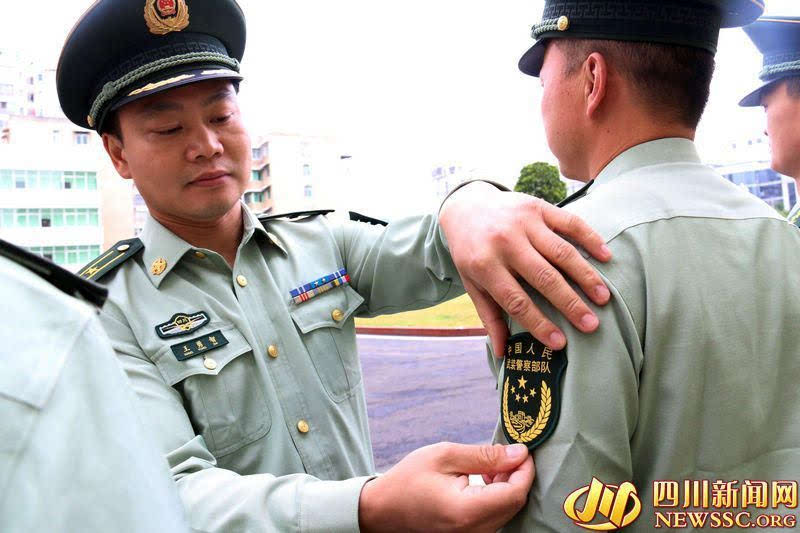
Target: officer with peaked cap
75,456
694,374
238,333
778,39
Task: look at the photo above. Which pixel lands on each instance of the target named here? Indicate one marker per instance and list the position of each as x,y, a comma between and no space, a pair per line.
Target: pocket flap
331,309
175,370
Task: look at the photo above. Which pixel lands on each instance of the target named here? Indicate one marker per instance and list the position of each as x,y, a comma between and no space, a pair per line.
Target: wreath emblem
516,423
165,16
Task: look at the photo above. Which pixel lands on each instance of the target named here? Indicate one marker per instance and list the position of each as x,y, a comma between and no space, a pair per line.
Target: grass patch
457,313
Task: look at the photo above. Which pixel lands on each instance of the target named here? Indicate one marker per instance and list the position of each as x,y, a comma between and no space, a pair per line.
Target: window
268,192
6,181
47,218
307,191
255,175
91,181
265,171
30,97
3,105
81,137
56,136
306,170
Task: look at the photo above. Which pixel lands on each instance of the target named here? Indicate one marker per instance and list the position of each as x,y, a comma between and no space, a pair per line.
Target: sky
407,86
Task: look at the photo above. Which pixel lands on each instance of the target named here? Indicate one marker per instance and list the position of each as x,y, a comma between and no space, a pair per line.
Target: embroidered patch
181,324
531,399
323,284
200,345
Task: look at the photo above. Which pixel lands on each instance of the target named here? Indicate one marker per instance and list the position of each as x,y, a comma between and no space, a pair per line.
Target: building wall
59,196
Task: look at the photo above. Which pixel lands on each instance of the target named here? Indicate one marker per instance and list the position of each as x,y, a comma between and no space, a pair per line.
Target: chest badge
317,287
199,346
181,324
531,399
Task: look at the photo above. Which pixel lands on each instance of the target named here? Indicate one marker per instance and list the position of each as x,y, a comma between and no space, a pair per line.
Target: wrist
368,507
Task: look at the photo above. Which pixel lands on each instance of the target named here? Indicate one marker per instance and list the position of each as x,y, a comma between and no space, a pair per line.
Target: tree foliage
542,181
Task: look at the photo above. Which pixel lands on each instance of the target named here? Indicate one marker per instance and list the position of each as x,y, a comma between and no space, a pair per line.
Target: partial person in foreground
778,39
693,376
76,456
237,331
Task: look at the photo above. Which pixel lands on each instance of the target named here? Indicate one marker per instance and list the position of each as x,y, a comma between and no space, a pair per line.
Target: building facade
58,196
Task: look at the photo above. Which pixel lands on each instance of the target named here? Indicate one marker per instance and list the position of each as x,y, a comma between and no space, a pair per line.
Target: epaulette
296,214
111,259
358,217
60,278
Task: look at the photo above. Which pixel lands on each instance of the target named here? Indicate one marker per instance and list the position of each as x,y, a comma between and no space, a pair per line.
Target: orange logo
608,501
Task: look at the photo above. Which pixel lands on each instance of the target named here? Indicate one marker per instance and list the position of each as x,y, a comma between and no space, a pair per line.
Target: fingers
567,258
576,229
480,459
496,503
507,292
491,316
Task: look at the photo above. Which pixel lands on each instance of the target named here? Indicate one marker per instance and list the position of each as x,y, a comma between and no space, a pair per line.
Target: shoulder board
358,217
296,214
111,259
60,278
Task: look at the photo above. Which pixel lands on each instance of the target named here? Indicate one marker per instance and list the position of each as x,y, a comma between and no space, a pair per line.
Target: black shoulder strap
60,278
358,217
111,259
296,214
576,195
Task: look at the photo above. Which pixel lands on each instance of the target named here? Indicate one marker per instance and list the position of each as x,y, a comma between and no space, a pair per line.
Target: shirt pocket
329,334
226,405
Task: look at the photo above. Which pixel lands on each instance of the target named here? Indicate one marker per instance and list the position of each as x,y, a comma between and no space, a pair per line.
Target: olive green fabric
694,371
75,456
230,428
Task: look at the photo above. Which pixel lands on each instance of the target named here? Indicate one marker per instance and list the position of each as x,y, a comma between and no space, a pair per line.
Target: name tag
200,345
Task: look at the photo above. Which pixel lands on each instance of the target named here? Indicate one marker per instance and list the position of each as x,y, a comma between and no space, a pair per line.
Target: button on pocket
225,400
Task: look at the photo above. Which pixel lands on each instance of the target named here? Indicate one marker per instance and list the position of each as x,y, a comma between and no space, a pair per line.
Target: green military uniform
693,373
75,455
253,427
778,39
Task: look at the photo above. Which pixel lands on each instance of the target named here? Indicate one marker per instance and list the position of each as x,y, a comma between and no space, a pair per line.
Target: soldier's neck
221,235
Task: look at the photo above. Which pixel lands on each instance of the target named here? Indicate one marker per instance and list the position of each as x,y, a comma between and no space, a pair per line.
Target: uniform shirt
75,457
273,435
693,372
794,215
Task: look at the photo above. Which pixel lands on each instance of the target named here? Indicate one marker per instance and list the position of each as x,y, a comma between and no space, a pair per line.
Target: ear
116,151
595,80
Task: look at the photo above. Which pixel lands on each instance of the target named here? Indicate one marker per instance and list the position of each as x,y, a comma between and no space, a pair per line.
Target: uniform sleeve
599,413
399,267
220,500
87,463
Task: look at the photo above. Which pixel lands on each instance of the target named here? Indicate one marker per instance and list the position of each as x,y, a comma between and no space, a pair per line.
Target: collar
163,249
658,152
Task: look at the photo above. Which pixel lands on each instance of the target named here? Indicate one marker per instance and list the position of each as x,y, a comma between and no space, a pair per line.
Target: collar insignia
181,324
323,284
531,399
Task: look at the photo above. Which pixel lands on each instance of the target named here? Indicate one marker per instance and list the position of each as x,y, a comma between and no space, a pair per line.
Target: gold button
200,255
123,247
563,23
241,280
302,426
272,351
337,315
159,266
210,364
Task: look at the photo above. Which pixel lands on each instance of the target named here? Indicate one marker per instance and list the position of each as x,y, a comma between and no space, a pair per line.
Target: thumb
492,317
484,458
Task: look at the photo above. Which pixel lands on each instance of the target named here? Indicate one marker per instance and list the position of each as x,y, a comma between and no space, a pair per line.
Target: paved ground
426,390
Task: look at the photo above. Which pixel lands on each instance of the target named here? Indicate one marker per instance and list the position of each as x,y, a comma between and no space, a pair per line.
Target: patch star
522,381
533,393
513,389
525,399
517,397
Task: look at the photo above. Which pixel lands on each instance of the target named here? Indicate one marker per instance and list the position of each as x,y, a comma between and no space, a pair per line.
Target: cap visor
753,99
531,61
177,79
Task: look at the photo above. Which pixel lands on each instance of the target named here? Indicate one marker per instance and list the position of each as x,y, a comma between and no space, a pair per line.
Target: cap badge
563,23
165,16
